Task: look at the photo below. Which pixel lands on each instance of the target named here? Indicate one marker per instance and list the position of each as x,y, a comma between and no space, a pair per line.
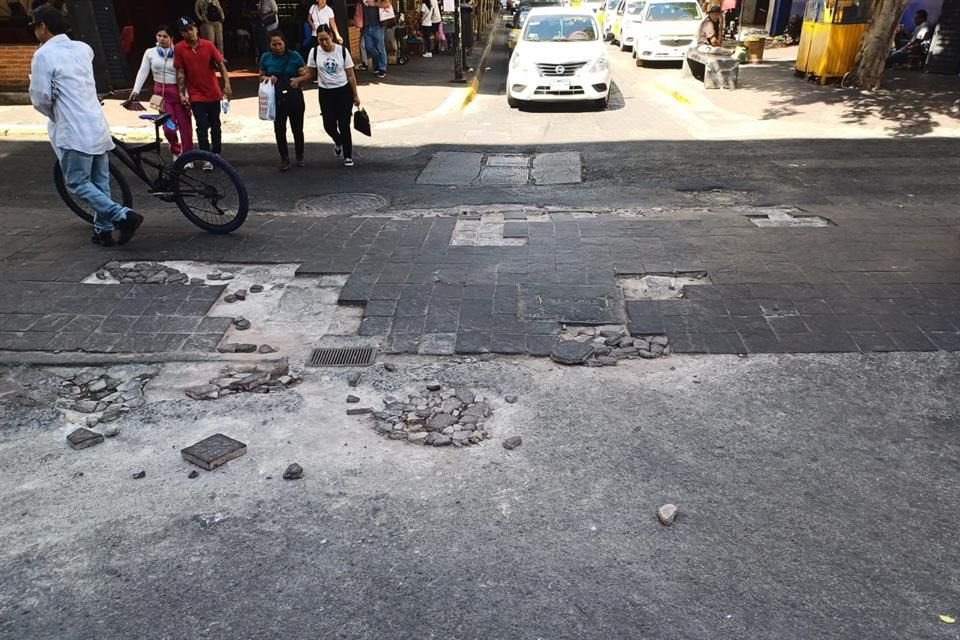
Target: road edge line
481,67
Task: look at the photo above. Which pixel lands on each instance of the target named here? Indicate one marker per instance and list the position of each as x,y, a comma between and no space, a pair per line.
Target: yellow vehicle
516,28
608,7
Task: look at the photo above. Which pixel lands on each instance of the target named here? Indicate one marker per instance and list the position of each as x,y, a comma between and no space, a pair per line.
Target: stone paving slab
870,282
109,318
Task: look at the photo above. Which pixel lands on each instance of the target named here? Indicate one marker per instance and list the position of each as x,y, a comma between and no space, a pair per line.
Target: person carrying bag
158,62
331,65
280,70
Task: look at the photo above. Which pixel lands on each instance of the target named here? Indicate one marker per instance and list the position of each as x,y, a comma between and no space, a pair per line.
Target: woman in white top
158,61
430,22
321,13
331,65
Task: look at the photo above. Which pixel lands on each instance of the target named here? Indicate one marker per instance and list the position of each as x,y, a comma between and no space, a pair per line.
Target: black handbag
361,122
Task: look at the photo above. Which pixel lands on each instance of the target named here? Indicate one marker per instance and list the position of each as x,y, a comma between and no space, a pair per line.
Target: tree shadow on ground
909,102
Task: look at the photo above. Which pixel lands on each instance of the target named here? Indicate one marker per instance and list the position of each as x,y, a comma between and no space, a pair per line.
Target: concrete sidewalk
420,87
772,101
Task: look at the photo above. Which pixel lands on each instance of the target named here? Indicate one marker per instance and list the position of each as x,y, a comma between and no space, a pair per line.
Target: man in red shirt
197,62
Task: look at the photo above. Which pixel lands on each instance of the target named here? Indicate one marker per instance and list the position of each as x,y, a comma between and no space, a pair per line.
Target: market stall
832,31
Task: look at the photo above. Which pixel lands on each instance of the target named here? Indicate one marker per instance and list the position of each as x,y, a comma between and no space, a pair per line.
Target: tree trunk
875,46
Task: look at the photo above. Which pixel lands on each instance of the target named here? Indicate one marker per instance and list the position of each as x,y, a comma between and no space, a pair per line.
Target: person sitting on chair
709,33
901,55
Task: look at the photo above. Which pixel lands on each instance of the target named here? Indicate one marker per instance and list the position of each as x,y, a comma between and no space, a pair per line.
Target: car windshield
559,28
668,11
635,8
522,19
612,5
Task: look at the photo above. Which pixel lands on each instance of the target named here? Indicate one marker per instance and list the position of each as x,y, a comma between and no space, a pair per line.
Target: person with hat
63,88
197,62
710,32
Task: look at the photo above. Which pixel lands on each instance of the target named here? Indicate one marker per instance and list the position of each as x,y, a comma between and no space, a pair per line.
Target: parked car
559,57
666,30
516,26
626,19
609,8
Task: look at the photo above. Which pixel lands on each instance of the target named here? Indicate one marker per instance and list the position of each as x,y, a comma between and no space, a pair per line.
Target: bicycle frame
136,158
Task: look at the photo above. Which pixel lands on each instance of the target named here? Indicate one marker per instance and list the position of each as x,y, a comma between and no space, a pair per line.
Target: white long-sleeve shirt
62,87
158,62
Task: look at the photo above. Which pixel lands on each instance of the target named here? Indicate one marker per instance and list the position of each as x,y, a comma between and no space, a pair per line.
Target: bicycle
215,199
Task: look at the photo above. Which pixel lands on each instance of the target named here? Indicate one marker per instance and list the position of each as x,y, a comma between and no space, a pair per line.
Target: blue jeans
376,46
88,178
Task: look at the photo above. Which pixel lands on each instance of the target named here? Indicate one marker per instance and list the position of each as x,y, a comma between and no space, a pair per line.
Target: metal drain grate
342,357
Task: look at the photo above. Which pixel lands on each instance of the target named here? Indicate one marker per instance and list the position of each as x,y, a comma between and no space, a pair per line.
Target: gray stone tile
438,344
201,342
469,342
580,304
509,176
52,322
451,168
17,321
507,343
562,167
84,324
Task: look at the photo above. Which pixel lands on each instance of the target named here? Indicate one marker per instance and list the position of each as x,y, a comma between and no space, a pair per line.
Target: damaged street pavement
607,387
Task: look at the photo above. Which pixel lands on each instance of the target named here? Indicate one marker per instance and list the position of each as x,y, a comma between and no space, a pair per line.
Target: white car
628,14
665,30
559,57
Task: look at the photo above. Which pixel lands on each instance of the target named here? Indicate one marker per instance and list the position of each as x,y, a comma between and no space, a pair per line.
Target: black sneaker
102,238
129,226
381,74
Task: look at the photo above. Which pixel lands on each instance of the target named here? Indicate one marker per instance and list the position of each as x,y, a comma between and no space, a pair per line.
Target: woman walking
158,61
321,13
282,67
331,65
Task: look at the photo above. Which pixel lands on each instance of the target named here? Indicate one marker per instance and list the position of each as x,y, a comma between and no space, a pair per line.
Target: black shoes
129,226
102,238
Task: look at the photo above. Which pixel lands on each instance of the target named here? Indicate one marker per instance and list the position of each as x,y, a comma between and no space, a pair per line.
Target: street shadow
908,101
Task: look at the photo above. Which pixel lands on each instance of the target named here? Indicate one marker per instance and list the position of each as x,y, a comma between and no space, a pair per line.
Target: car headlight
519,64
601,64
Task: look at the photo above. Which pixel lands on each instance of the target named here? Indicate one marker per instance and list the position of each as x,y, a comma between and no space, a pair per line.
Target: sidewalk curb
39,132
75,358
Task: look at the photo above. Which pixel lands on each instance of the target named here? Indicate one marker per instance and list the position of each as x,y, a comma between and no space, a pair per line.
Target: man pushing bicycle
62,87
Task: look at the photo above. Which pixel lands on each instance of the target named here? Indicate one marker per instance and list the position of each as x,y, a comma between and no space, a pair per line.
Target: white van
664,30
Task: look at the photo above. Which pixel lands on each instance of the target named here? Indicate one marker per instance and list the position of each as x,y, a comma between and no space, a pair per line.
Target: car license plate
561,85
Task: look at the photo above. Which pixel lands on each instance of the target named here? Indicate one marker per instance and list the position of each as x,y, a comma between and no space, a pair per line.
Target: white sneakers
206,166
428,55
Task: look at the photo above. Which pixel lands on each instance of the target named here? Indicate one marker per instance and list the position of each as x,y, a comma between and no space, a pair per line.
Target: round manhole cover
337,204
722,197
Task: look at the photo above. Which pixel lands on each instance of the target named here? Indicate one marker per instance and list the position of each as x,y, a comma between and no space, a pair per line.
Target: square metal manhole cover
342,357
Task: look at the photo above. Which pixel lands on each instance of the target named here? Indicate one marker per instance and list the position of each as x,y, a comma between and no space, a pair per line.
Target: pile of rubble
145,273
266,378
593,347
440,416
103,398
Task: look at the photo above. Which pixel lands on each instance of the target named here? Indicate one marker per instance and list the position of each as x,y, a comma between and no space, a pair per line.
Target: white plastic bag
268,101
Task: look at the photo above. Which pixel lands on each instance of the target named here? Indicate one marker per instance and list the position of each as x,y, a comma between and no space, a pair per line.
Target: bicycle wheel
118,184
216,199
